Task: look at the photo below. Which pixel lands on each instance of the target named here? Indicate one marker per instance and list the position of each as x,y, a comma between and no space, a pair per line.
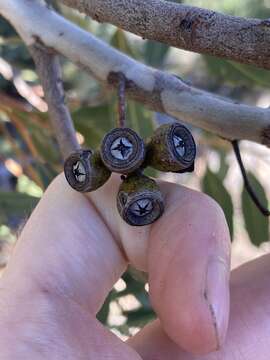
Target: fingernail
218,297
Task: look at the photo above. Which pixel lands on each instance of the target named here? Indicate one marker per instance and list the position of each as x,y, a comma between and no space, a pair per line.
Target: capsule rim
128,165
182,160
157,203
84,157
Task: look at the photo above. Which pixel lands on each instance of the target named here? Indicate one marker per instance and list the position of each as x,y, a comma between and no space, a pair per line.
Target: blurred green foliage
257,225
213,186
29,154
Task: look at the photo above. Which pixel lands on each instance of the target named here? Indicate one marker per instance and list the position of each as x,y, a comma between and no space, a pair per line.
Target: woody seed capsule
85,171
139,200
171,148
122,150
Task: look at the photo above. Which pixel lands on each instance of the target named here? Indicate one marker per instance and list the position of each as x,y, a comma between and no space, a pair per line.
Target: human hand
74,248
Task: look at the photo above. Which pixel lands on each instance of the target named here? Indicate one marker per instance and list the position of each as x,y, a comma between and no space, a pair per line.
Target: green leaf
213,186
16,204
93,123
136,287
224,167
155,53
133,286
140,119
252,73
256,224
103,313
235,73
140,317
138,275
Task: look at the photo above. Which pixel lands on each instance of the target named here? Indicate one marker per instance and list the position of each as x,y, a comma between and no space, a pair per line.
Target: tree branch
49,71
186,27
158,90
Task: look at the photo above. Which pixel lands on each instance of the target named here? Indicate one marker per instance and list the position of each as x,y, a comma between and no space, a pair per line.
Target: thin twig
247,183
49,71
121,101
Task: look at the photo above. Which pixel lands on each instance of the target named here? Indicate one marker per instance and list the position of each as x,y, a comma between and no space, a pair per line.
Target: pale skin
75,247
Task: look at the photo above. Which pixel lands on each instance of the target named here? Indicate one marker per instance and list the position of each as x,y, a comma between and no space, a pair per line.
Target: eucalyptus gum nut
122,150
139,200
85,171
171,148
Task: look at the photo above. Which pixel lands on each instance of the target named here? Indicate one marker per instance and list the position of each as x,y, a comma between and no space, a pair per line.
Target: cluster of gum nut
139,199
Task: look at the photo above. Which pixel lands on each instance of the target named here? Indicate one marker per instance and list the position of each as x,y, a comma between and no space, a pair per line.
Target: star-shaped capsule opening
142,207
179,145
79,171
121,148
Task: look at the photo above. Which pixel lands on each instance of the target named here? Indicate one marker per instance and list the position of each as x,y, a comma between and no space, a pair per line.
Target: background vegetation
30,158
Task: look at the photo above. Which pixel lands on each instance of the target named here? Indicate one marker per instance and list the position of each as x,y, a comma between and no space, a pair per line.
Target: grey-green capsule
122,150
139,200
85,171
171,148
